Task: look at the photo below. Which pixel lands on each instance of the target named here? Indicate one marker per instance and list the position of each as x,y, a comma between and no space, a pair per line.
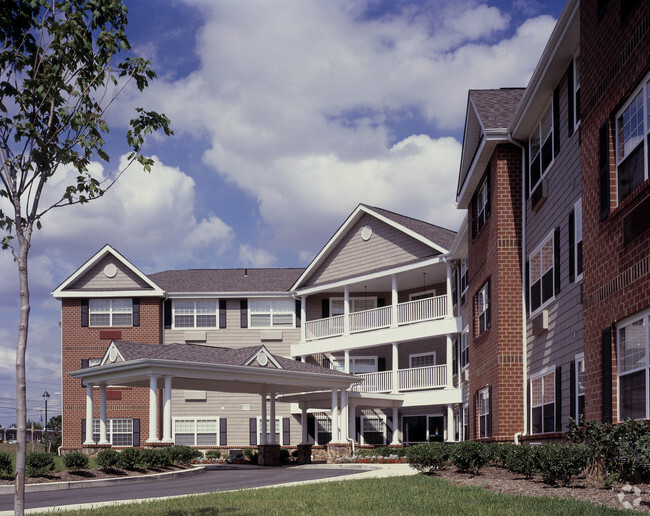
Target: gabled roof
495,108
439,239
226,280
66,289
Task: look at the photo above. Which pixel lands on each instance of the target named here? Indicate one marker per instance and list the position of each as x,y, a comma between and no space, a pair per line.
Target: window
632,128
484,418
540,148
272,313
278,427
323,428
357,304
633,342
465,436
464,348
580,386
358,365
482,200
463,280
543,403
422,360
196,431
419,429
195,314
576,92
422,295
542,275
118,431
483,307
373,430
577,239
110,312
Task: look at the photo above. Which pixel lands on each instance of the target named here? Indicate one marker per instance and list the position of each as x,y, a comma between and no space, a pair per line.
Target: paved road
222,478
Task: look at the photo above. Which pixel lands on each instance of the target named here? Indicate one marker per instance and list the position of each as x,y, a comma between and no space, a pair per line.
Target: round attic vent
110,270
262,359
112,355
366,233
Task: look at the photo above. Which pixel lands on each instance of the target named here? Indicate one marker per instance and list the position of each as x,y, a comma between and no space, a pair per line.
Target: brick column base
338,450
268,454
304,454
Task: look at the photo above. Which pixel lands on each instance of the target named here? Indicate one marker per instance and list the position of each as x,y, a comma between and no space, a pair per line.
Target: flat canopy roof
199,367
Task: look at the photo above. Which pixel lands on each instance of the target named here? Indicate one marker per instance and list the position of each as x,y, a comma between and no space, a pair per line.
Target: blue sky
287,114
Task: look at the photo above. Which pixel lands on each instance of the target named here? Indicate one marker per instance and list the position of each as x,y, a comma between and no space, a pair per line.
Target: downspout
524,336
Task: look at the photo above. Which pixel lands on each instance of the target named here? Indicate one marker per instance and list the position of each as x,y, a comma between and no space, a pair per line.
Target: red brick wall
496,354
614,57
81,343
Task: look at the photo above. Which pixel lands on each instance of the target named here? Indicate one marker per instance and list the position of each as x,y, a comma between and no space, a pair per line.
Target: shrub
470,456
561,462
500,453
38,463
180,454
248,453
150,458
6,467
521,459
213,454
380,451
428,457
108,459
129,458
284,455
75,461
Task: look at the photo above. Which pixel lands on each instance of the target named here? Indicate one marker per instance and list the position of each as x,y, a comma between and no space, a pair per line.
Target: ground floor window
484,413
580,386
633,342
119,431
420,429
373,430
323,429
543,403
196,431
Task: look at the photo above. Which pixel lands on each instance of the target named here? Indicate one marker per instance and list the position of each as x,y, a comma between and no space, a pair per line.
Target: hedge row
131,458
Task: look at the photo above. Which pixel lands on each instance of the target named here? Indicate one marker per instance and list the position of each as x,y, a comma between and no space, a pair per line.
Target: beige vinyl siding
95,279
387,247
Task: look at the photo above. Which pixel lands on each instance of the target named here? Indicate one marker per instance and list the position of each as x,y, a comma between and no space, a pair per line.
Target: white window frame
576,92
577,239
540,377
334,311
637,365
273,312
417,355
464,348
482,306
481,204
362,431
338,363
111,311
423,294
465,432
643,93
196,421
427,433
548,111
112,430
464,284
195,313
543,303
483,411
580,385
322,420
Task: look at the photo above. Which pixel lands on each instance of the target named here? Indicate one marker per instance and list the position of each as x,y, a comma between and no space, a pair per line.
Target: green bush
38,463
129,458
75,461
108,458
284,455
181,454
150,458
561,462
379,451
6,467
247,452
521,459
428,457
213,454
470,456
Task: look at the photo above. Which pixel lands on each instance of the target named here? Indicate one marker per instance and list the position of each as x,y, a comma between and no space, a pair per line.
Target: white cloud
255,257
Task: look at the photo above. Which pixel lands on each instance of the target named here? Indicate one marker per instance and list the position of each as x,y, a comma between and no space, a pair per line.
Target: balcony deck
429,377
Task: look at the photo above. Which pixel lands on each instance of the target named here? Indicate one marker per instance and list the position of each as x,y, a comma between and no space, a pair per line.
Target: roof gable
262,358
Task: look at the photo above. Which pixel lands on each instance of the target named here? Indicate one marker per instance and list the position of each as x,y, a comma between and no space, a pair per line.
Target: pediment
262,358
112,355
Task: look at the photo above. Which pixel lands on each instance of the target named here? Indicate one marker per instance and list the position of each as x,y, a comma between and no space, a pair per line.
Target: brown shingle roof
496,107
226,280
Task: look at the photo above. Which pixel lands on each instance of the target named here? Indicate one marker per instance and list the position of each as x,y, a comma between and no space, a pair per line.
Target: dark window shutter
488,312
136,433
311,428
381,301
84,363
556,121
572,389
558,399
474,217
488,201
456,356
136,311
572,245
252,426
286,434
488,419
474,322
474,421
606,366
83,431
243,313
527,171
529,396
556,259
325,308
603,168
223,431
381,363
298,312
84,313
569,74
454,286
167,313
357,426
223,304
527,279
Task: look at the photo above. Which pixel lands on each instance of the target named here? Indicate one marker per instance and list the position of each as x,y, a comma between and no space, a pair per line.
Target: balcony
416,378
411,312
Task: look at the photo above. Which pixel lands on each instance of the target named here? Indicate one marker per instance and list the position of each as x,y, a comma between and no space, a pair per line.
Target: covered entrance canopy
198,367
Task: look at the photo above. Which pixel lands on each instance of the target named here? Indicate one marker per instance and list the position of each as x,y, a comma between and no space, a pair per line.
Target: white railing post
394,301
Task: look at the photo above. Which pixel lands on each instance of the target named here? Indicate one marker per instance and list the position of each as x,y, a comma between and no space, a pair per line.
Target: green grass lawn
398,495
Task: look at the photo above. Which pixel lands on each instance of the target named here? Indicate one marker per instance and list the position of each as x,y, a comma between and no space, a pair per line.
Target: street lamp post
46,396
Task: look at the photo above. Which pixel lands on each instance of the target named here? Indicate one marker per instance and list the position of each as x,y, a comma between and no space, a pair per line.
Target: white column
396,434
450,301
167,410
346,311
346,361
303,424
264,421
450,369
103,438
272,419
394,301
395,372
450,423
345,418
153,409
89,414
335,416
352,410
303,319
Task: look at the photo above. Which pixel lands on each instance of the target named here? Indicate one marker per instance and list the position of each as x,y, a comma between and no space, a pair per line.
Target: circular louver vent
366,233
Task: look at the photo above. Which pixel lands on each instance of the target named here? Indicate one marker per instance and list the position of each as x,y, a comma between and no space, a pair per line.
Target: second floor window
110,312
483,307
195,314
541,148
464,348
541,275
272,313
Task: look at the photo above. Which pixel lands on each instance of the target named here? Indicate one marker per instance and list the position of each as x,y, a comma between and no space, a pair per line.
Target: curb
80,484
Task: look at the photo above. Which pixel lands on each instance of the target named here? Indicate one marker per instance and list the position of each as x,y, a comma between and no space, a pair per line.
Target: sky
287,114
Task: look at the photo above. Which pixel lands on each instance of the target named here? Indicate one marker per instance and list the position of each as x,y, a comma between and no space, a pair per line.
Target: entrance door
415,429
436,428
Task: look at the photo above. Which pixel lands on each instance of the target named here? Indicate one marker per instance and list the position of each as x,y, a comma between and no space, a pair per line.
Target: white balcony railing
429,377
411,312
